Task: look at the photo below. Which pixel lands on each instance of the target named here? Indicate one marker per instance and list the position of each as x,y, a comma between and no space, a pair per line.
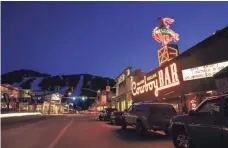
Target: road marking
61,133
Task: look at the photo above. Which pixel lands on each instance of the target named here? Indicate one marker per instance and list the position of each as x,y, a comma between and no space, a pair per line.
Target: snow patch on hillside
78,89
63,91
20,83
61,77
35,84
89,84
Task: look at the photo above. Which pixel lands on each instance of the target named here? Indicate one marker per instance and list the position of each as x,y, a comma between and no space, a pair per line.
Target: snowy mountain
29,79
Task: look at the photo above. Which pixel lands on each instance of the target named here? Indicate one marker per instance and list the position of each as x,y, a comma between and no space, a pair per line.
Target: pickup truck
204,127
148,116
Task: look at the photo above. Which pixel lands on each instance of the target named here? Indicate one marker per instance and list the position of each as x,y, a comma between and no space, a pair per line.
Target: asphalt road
73,131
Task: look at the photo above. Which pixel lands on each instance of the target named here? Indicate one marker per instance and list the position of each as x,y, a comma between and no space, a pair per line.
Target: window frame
205,103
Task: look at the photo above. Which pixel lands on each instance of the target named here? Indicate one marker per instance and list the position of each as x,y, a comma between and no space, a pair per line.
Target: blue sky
100,38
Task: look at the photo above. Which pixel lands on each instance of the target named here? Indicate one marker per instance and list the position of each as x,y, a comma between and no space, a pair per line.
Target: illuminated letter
141,89
160,77
174,74
167,77
150,85
133,88
145,85
156,88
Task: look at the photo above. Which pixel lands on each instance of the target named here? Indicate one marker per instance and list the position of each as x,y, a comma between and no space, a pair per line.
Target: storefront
52,104
187,79
123,85
123,97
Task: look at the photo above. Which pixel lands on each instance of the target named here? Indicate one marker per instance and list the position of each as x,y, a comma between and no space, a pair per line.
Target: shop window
129,103
123,105
117,106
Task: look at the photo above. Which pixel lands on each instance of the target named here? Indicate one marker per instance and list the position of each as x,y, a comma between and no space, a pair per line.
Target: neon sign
166,53
163,34
163,79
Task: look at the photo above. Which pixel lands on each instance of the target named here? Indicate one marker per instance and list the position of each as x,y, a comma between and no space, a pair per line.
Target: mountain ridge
30,79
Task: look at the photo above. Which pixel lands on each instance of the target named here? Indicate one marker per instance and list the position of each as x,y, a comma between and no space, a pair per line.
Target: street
82,131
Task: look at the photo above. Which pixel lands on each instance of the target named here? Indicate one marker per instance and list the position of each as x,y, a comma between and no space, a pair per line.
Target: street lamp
69,93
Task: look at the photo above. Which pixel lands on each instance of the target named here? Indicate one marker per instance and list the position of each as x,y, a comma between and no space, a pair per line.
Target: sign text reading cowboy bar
163,79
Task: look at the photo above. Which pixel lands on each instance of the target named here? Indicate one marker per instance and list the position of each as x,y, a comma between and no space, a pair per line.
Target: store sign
203,71
55,97
163,79
123,76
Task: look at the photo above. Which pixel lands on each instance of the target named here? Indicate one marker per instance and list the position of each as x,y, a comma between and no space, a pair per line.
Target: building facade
221,80
9,97
187,79
123,97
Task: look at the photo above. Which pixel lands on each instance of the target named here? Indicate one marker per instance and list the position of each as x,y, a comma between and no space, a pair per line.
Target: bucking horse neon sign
163,34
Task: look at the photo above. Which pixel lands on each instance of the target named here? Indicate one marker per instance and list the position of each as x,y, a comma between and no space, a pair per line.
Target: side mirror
191,113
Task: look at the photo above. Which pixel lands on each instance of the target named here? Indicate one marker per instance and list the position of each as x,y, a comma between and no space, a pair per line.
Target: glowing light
18,114
157,81
74,98
163,34
166,53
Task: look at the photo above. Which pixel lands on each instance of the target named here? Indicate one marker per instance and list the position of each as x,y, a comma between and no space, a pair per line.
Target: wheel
141,131
123,125
180,139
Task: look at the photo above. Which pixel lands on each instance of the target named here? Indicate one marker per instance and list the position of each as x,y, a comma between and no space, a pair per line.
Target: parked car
116,117
106,114
149,116
207,126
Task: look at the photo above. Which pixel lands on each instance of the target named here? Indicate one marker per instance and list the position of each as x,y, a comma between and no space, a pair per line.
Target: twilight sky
100,38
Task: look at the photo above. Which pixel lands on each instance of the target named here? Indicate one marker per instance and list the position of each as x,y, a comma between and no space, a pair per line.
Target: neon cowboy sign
163,79
163,34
